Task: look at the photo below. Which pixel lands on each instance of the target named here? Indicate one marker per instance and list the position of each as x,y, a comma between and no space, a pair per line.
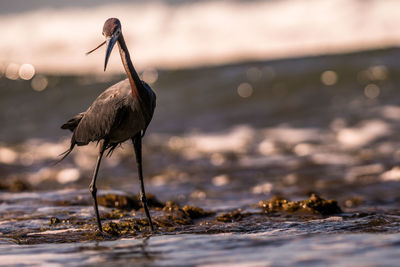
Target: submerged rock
314,205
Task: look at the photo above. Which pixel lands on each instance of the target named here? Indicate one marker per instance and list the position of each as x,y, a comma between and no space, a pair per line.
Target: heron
121,112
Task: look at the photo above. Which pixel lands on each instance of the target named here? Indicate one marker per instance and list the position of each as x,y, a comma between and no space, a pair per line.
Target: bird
121,112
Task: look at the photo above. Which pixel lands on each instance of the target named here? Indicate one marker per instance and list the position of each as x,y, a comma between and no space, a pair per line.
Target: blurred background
54,35
255,97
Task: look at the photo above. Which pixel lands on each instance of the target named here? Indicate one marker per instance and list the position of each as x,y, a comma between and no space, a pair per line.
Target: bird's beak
110,42
100,45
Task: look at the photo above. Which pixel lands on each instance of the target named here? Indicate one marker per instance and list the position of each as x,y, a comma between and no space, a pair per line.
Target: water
223,138
200,250
176,34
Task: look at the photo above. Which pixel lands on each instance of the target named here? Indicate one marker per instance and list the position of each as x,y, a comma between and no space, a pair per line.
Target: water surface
223,138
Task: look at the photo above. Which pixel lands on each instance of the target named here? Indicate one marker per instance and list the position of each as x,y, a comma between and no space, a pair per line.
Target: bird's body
121,112
115,116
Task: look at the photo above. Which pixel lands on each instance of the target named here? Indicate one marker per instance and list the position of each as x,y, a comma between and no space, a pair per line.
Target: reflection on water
258,249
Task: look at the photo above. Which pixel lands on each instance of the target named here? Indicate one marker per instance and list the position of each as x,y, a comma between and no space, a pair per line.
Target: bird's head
111,31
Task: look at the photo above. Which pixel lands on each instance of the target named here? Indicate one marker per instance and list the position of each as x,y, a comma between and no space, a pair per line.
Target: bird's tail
65,153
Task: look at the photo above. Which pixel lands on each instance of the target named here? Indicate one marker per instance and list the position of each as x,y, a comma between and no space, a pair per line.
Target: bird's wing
72,123
105,114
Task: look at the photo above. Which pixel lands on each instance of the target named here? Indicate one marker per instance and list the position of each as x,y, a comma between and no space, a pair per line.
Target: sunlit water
189,33
222,138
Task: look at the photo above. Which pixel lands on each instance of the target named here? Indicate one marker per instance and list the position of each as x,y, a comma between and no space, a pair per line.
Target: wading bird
121,112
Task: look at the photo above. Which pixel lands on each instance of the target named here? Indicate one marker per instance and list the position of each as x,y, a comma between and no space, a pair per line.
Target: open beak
94,49
110,42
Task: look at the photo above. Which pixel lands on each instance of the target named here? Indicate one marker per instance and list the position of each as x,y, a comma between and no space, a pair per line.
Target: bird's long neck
134,80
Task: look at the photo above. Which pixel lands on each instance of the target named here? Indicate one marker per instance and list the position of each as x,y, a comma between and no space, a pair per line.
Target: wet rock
16,185
120,228
174,216
314,205
111,228
324,207
233,216
177,216
54,220
114,214
196,212
173,220
152,201
3,187
20,186
126,202
170,206
118,201
190,211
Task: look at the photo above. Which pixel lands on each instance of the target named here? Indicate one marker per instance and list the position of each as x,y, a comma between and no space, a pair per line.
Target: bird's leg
137,144
92,186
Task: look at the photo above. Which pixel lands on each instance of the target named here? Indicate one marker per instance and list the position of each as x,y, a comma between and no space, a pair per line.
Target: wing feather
114,115
106,113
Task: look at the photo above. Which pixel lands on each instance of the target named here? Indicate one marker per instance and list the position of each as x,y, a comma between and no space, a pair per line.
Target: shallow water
325,125
259,249
255,240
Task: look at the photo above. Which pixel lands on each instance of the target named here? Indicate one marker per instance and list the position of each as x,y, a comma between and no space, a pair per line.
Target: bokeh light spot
303,149
254,74
26,71
12,71
220,180
372,91
264,188
7,155
217,159
245,90
329,77
150,75
68,175
374,73
267,147
39,83
379,72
